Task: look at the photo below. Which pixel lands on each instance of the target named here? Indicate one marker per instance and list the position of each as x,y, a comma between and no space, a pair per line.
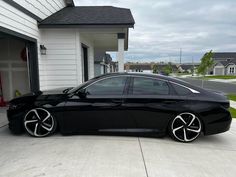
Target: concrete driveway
113,156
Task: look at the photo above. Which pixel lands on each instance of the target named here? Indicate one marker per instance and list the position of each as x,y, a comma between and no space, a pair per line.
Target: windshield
80,86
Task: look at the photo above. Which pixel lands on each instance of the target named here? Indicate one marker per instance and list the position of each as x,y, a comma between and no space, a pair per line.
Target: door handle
170,102
117,101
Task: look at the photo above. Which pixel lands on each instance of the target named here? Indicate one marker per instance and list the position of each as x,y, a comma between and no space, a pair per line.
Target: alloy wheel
39,122
186,127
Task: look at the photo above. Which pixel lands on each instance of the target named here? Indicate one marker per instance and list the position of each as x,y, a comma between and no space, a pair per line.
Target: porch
71,54
75,38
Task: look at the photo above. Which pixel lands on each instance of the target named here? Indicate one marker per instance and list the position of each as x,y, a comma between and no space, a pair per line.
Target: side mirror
81,93
67,90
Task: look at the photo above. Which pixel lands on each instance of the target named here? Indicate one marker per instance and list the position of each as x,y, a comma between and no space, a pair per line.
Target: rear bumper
218,126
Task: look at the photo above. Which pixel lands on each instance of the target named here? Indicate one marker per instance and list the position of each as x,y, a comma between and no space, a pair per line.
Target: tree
206,63
168,69
155,69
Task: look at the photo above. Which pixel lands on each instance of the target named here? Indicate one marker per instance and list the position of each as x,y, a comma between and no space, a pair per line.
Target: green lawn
231,97
233,112
220,77
183,74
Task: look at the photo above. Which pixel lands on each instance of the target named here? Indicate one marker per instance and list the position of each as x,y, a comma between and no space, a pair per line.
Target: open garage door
16,66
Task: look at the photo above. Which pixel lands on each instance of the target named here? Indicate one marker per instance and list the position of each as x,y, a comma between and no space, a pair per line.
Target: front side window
109,86
148,86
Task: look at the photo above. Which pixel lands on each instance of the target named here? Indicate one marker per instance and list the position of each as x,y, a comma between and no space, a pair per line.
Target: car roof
157,76
144,75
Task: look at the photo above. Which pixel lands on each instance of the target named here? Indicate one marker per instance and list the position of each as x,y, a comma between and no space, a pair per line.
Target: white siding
42,8
62,66
16,20
58,67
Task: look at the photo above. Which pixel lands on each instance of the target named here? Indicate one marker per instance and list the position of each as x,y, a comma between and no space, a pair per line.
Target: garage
18,66
219,71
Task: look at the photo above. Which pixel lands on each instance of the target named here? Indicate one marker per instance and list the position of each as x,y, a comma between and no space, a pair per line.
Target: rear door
152,102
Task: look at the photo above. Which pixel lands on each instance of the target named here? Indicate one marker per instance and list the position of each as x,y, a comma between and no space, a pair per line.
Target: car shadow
217,141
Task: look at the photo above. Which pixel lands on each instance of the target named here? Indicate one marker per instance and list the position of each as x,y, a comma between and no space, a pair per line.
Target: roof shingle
224,55
90,15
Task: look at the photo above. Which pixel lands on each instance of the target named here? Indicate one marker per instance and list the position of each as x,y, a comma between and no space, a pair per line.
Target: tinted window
110,86
181,90
146,86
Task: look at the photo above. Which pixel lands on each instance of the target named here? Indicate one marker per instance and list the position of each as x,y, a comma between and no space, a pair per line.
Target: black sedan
123,102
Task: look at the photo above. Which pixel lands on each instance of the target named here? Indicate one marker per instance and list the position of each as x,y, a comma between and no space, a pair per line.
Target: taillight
226,105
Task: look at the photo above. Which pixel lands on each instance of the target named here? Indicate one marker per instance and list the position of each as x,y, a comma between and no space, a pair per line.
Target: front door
102,108
85,62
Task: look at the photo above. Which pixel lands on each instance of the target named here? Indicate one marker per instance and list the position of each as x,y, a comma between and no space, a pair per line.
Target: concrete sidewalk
113,156
223,80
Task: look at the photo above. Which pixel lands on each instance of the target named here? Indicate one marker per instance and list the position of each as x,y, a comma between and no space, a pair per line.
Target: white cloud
164,26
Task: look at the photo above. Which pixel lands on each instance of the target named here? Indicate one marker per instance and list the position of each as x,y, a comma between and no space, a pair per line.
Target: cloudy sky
164,26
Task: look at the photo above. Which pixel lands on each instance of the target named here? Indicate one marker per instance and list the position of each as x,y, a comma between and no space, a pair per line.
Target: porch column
121,51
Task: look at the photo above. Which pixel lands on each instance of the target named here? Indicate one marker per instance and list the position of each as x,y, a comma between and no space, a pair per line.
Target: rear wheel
185,127
38,122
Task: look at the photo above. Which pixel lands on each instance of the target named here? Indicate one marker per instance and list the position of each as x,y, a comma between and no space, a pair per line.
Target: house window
231,70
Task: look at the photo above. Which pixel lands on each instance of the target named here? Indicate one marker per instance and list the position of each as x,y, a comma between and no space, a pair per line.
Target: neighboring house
187,68
161,67
104,65
114,67
138,67
50,44
147,67
225,64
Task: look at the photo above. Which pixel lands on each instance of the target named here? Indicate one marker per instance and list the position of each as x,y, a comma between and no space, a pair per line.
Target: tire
185,127
39,122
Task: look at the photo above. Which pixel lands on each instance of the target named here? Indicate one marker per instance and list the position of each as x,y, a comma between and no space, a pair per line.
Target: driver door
100,108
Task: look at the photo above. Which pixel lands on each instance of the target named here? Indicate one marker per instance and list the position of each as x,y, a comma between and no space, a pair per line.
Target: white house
225,68
225,63
139,67
103,65
46,44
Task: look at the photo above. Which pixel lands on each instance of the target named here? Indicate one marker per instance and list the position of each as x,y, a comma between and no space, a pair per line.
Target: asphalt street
218,86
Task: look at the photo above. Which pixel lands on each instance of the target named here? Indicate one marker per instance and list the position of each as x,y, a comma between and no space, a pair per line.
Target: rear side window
148,86
180,90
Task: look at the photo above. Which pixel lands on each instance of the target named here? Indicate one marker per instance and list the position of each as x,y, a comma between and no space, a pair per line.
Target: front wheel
185,127
38,122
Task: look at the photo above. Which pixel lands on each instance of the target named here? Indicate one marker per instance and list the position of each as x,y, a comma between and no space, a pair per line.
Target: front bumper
15,121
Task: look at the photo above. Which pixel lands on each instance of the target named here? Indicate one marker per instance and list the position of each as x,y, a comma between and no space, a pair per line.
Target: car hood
40,95
55,94
54,91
